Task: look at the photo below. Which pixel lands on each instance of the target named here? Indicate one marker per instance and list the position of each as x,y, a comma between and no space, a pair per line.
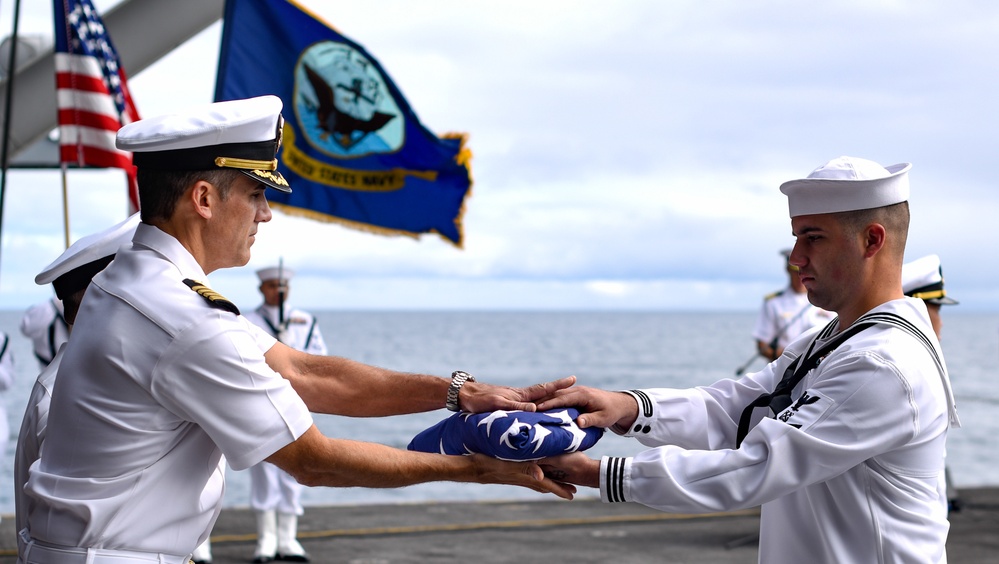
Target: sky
627,155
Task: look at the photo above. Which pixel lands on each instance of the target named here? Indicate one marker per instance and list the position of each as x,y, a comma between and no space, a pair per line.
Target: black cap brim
271,178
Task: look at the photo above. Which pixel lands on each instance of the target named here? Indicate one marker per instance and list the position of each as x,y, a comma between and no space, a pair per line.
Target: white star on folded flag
488,420
570,425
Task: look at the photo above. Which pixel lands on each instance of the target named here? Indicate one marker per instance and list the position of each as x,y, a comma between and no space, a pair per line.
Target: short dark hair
160,190
894,218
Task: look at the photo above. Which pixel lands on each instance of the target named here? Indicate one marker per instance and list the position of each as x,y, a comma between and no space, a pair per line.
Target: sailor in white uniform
69,274
785,315
163,376
923,279
7,373
846,455
274,494
45,324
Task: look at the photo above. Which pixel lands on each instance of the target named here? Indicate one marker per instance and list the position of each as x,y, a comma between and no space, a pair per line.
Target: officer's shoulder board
211,296
773,295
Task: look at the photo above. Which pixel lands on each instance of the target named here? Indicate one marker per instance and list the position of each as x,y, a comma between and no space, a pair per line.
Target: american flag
91,91
509,435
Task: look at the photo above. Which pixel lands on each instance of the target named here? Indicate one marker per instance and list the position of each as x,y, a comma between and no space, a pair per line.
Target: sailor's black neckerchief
263,315
57,320
275,332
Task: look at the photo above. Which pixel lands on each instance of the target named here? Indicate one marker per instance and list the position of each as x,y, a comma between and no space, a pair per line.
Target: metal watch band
458,379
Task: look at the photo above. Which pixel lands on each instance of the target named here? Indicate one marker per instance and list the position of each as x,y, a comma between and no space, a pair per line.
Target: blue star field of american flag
87,36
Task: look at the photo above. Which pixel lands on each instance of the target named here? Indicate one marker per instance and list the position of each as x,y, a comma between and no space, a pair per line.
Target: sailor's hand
491,470
479,397
572,469
598,408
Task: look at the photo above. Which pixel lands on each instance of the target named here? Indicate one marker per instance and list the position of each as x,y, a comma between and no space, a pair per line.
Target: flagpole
11,73
65,203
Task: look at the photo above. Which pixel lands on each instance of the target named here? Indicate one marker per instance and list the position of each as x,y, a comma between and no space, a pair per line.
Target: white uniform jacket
786,315
34,425
852,471
155,386
45,325
7,373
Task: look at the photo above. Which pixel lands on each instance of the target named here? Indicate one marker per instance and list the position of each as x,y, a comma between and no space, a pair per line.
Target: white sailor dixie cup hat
74,268
273,272
239,134
923,279
847,184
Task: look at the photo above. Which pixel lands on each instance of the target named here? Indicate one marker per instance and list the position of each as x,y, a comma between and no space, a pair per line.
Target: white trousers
271,488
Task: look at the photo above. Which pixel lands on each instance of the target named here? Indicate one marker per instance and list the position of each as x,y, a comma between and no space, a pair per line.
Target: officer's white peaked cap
86,257
239,134
847,184
272,273
923,279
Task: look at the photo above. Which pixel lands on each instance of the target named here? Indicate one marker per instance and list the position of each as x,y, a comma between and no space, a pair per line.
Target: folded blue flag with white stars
508,435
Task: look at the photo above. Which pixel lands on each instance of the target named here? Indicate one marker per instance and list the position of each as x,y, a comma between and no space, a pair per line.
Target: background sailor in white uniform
7,373
847,462
163,377
785,315
923,279
69,274
274,494
46,326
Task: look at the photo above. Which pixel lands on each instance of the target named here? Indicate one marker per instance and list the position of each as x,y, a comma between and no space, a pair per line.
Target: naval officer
131,467
846,455
923,279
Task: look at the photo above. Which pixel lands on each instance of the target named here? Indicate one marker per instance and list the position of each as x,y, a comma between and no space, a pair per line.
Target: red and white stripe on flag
88,116
91,92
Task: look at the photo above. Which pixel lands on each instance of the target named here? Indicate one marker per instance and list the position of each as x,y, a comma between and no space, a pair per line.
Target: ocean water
612,350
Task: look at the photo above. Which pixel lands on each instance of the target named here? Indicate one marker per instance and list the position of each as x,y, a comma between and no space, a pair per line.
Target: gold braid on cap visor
247,164
930,295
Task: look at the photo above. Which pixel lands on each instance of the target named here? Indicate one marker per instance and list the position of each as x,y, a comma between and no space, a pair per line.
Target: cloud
625,154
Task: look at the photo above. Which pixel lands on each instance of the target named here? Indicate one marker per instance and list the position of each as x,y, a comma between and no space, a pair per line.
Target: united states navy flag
353,151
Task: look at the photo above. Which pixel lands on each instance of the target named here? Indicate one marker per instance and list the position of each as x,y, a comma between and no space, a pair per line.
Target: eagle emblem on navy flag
343,104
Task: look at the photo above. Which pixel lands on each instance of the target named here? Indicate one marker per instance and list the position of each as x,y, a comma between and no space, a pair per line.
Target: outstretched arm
316,460
340,386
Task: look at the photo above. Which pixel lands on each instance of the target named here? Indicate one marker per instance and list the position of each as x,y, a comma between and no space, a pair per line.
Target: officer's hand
525,474
479,397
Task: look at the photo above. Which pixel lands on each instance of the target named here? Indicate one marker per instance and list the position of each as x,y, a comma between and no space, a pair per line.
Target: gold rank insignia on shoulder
211,296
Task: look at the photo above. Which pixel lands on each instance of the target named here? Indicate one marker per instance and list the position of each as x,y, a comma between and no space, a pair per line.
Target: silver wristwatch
458,379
